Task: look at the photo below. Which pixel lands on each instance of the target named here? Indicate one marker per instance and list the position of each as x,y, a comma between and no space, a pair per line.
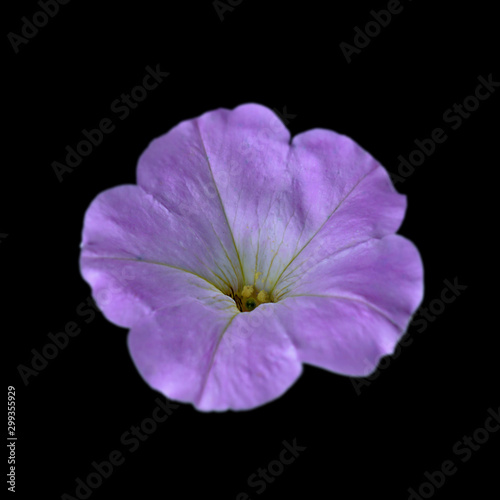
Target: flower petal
125,222
212,359
352,195
227,158
351,309
128,291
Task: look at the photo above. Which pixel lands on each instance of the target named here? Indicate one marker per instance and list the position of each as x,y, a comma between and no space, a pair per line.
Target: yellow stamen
247,291
263,296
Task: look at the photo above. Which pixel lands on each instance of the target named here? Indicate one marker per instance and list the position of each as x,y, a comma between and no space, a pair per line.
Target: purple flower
240,254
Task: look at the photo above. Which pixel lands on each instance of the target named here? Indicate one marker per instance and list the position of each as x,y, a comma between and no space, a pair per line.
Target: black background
377,443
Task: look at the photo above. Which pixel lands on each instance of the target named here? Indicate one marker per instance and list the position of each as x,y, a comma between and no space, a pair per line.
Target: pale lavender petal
214,359
348,311
128,291
351,196
127,222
